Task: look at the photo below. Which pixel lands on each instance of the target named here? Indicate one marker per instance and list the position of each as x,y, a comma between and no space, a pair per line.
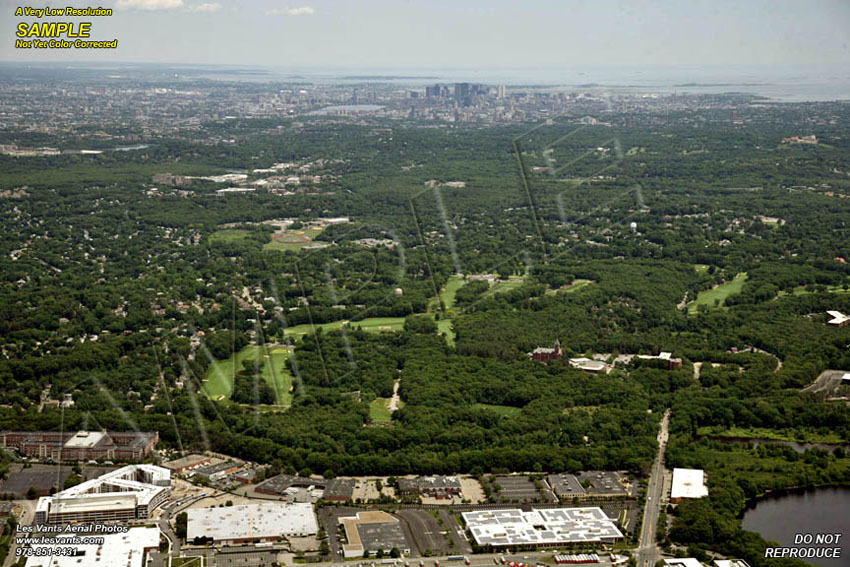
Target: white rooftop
688,483
85,439
837,317
550,526
683,562
126,550
730,563
130,486
253,521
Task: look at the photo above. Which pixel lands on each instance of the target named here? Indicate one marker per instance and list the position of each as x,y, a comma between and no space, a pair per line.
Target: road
648,553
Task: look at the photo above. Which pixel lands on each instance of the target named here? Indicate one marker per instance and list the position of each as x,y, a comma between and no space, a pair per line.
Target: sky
423,34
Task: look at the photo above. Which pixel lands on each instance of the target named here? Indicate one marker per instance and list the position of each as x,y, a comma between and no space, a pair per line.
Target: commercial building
372,532
187,463
541,527
335,490
688,483
565,486
683,562
218,471
245,523
129,493
433,486
127,549
667,357
839,319
81,445
730,563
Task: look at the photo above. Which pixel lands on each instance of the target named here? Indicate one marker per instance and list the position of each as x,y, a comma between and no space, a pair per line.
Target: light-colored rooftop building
688,483
683,562
128,493
541,527
839,319
264,521
127,550
590,365
730,563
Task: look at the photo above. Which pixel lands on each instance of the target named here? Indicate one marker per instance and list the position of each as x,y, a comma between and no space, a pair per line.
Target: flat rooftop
264,520
126,550
688,483
540,527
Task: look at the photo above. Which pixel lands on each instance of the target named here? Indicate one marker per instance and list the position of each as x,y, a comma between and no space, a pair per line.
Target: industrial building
217,471
129,493
127,549
246,523
335,490
688,483
433,486
373,532
187,463
81,445
541,527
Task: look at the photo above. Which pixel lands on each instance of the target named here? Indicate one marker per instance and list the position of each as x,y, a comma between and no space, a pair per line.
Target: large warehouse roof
127,550
688,483
540,527
265,520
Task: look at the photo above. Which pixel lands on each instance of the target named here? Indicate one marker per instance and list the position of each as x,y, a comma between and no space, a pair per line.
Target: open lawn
720,293
372,325
502,411
379,410
229,235
701,268
218,382
802,290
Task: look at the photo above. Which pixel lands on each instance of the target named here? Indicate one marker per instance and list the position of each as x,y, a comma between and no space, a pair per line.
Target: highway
647,552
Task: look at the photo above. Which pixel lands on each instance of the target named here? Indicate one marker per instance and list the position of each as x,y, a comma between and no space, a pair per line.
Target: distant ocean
778,83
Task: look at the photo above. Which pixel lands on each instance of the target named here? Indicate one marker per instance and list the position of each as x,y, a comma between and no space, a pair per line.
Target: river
816,511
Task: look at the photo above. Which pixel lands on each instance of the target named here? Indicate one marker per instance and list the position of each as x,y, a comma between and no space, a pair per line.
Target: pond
817,511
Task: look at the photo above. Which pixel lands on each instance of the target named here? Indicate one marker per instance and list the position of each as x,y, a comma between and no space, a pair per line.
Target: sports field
719,293
292,240
218,382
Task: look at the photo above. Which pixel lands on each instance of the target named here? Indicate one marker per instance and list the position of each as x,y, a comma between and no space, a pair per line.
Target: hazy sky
457,33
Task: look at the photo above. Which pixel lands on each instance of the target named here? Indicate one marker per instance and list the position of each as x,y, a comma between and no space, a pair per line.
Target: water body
821,510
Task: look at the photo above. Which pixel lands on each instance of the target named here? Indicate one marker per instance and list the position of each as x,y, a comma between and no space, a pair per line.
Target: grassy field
800,436
445,326
379,410
701,268
218,382
719,293
447,296
229,235
503,411
299,237
372,325
575,286
801,290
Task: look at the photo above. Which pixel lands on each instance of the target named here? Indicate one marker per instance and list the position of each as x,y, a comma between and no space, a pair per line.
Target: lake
821,510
